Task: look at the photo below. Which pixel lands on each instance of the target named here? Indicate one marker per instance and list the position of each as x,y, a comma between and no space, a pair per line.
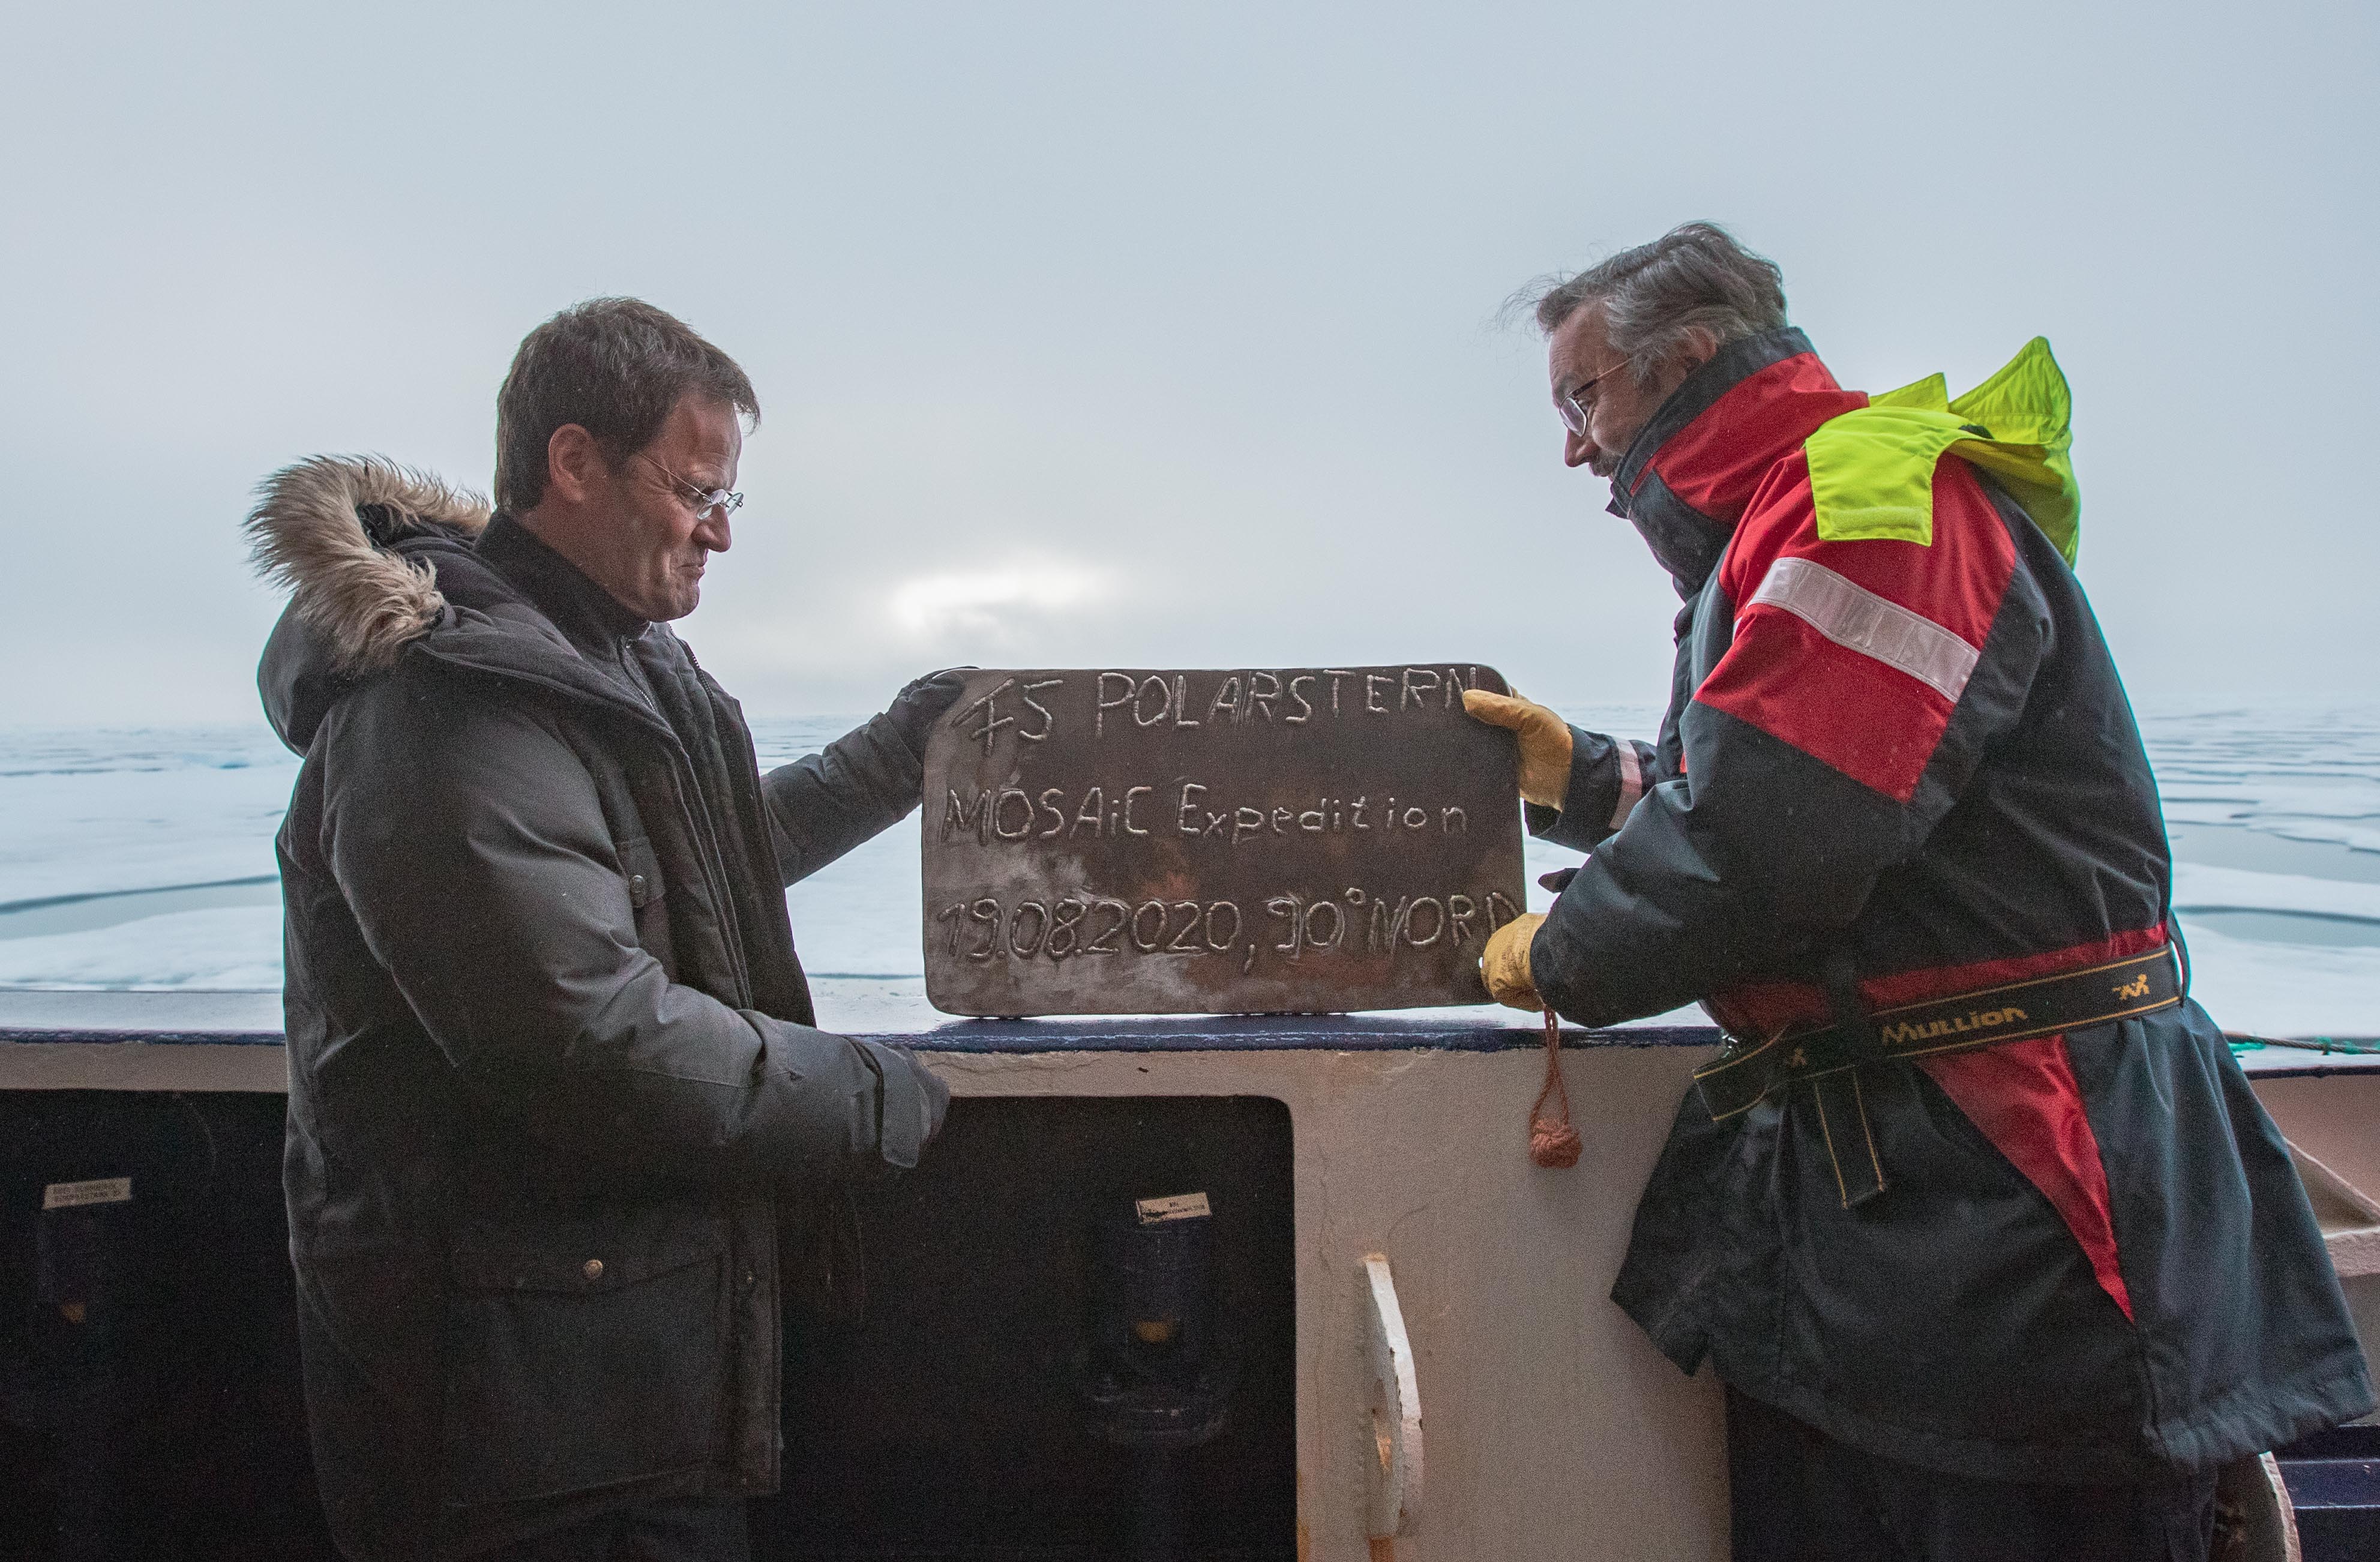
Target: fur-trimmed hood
326,528
386,571
374,554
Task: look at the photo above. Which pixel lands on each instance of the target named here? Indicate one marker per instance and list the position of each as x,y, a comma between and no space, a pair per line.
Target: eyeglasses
706,503
1575,410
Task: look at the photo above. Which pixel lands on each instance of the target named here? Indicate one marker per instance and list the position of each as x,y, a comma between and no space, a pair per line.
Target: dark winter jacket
552,1068
1910,766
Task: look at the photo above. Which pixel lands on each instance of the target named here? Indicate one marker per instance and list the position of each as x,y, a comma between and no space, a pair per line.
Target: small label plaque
1179,1206
1266,841
99,1190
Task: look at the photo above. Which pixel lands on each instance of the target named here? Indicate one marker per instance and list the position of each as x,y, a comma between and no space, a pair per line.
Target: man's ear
574,466
1700,347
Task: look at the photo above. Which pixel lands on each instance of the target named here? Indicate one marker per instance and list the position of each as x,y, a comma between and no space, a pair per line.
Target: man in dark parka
555,1080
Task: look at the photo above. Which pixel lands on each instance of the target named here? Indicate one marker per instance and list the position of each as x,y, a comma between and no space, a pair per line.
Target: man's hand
1545,742
922,702
1504,965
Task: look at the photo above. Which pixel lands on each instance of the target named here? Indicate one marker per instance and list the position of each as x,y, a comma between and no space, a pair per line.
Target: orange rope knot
1552,1141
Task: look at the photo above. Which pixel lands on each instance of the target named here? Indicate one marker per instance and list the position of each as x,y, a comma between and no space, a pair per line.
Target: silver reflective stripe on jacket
1857,619
1632,781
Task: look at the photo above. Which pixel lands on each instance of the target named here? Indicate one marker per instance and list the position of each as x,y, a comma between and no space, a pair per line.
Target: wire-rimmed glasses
1572,410
706,503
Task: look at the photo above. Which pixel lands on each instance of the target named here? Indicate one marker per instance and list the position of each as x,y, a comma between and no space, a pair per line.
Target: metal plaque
1259,840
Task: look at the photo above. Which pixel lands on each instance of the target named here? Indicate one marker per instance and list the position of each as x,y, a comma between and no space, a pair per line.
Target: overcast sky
1163,335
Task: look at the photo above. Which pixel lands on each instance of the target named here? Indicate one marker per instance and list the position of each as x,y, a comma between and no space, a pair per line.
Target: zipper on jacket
714,870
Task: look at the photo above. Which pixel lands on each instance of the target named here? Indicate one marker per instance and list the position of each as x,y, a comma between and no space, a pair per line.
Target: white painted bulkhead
1554,1430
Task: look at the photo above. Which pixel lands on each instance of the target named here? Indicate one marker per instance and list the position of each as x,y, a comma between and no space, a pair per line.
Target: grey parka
553,1065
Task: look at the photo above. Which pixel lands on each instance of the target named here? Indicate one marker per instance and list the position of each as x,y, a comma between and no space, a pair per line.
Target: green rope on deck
2360,1047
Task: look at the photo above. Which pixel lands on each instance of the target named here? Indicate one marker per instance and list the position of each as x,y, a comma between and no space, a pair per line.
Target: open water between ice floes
144,859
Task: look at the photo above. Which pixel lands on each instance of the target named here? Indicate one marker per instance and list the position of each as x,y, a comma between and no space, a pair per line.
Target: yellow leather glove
1504,965
1545,742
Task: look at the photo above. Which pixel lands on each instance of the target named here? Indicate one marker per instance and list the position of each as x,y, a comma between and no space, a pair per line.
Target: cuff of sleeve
1557,972
910,1103
1601,769
888,746
1635,764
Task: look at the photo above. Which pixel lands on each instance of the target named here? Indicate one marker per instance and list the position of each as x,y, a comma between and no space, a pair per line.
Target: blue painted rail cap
893,1008
74,1014
1382,1032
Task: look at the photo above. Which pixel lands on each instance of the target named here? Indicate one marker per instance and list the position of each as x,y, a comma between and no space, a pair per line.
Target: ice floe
145,858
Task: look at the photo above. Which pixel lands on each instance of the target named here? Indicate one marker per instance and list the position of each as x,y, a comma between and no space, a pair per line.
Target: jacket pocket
641,867
588,1353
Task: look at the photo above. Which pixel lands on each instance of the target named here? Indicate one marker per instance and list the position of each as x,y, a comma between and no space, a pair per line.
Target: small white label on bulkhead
100,1189
1180,1207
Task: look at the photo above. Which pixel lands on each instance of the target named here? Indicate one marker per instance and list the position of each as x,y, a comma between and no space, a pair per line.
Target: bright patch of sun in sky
990,603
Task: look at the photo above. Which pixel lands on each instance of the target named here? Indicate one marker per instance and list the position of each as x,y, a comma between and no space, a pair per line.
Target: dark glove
917,707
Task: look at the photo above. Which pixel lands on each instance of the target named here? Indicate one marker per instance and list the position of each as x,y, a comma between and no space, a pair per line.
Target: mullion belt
1738,1077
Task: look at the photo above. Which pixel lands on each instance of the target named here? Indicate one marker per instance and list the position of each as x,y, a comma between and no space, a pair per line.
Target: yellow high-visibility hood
1871,470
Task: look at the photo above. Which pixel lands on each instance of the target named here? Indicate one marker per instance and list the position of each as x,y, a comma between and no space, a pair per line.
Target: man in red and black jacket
1976,1216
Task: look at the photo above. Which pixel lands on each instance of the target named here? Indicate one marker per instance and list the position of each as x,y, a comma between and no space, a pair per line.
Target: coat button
592,1268
637,891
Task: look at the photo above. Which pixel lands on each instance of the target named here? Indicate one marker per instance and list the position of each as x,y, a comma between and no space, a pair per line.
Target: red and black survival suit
1893,772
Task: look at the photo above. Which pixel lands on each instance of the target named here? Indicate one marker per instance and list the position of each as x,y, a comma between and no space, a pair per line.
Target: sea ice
230,947
99,813
2198,888
2285,989
103,813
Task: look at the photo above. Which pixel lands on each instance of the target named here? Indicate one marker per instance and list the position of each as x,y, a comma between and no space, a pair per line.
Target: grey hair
1694,278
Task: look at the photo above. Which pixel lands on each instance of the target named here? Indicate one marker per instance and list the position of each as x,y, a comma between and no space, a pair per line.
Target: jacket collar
1686,479
490,625
383,562
588,616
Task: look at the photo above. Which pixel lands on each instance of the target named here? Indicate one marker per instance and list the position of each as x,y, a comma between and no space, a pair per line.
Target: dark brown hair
614,366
